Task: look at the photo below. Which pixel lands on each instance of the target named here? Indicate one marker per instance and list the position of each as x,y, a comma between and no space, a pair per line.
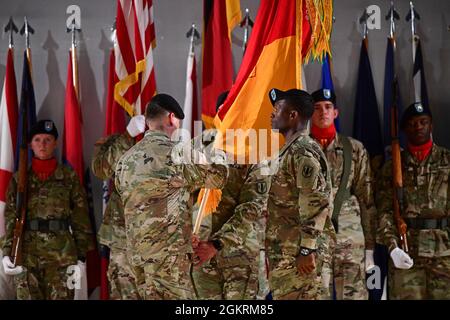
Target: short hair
303,104
155,111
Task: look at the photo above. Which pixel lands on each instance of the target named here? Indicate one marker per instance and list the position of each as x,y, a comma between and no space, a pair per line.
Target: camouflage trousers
122,284
46,283
428,279
326,246
349,273
232,282
168,279
288,284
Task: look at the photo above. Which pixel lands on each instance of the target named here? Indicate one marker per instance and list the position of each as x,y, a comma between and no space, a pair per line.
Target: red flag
8,133
114,116
73,139
73,156
217,64
134,56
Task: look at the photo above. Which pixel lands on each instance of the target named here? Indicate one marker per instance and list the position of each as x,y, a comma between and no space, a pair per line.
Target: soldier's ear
336,113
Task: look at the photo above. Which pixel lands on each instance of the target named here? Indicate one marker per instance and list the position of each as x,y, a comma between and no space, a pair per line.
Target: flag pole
413,16
201,212
363,20
73,49
392,16
193,34
11,28
246,23
27,30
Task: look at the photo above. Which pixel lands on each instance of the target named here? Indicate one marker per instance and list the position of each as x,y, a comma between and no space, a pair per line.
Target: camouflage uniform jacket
426,195
156,194
358,210
239,221
61,196
299,202
107,153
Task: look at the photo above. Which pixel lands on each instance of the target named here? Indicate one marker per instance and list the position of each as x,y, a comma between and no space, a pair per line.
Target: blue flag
27,108
327,83
366,122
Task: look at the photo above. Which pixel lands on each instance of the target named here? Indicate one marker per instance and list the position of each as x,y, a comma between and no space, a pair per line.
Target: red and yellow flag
280,40
283,35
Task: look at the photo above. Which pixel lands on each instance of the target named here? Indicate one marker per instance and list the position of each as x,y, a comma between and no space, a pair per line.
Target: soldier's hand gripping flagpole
201,212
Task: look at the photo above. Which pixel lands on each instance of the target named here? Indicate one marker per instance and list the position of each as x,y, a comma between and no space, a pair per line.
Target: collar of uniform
156,133
58,174
433,157
297,135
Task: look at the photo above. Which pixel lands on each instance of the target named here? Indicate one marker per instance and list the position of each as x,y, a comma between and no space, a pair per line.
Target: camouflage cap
43,127
324,95
415,109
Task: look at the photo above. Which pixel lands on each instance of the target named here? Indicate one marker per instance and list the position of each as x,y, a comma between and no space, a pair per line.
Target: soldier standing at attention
229,260
157,196
354,213
423,272
299,203
57,231
107,153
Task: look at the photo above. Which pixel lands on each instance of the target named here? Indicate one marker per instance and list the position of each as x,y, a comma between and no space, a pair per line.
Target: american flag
134,59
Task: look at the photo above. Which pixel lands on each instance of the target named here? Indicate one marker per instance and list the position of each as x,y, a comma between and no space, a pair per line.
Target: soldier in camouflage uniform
234,245
107,153
299,201
423,272
57,230
236,232
354,213
156,193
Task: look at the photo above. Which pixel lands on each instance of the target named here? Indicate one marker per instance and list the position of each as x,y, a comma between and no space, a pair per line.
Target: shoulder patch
307,171
261,187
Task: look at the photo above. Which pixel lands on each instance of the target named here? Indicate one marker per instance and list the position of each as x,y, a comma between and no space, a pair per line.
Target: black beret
221,99
299,99
43,126
168,103
324,95
276,94
415,109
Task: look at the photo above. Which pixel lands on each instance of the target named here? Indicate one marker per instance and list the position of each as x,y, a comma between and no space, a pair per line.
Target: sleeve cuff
308,243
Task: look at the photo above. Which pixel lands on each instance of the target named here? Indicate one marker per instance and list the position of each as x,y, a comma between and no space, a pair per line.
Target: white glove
9,267
136,126
401,259
77,280
369,261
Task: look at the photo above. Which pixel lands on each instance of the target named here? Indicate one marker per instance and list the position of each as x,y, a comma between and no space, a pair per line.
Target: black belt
422,223
42,225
